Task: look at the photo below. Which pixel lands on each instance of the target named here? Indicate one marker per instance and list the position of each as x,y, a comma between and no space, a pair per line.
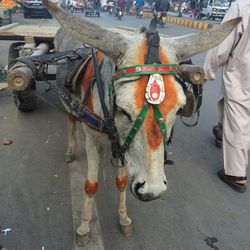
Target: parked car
75,5
212,9
33,8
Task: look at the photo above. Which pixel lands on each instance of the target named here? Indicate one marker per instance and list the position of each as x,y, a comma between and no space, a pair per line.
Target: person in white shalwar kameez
233,55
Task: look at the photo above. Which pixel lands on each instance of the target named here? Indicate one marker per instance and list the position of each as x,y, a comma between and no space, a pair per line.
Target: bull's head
145,156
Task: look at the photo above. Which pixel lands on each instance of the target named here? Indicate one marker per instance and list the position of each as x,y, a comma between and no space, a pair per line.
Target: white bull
144,159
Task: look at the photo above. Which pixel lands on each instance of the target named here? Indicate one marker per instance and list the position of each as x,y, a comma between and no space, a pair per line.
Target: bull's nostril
138,185
165,182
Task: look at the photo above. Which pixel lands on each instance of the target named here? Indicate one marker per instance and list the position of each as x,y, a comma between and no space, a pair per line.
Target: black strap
100,86
109,122
50,58
153,42
197,91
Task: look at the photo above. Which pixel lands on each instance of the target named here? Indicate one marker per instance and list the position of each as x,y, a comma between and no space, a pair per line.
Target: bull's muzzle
144,191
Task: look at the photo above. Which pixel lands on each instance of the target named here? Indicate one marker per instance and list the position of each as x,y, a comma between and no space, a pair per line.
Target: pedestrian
183,7
234,103
192,7
162,5
121,5
129,5
139,4
161,8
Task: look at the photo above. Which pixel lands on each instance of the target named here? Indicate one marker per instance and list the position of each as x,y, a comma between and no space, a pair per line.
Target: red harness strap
146,69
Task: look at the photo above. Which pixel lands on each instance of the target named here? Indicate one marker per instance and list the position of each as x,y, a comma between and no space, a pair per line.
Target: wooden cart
27,41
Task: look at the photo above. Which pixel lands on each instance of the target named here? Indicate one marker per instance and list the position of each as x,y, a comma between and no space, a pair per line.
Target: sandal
232,181
218,131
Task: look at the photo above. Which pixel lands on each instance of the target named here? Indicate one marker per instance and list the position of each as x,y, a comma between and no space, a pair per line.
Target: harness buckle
138,69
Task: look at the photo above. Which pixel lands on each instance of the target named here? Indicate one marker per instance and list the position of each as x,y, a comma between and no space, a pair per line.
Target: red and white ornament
155,91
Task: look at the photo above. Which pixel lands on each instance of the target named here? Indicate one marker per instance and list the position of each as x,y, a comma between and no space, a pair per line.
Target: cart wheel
25,99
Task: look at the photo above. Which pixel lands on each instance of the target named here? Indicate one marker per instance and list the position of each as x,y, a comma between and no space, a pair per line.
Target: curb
188,23
183,22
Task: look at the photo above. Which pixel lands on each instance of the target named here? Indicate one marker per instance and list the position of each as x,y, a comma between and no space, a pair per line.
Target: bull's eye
124,112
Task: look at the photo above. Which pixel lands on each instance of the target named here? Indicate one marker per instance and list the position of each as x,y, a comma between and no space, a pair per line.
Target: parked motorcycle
139,13
119,13
160,15
111,10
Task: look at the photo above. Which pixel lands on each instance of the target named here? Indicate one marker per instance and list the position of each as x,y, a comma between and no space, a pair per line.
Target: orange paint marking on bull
121,182
91,187
154,135
72,119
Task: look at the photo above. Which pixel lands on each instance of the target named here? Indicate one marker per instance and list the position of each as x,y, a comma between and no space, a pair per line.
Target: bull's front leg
71,152
91,187
122,183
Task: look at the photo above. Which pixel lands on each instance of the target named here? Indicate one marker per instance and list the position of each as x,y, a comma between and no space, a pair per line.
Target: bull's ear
111,43
189,45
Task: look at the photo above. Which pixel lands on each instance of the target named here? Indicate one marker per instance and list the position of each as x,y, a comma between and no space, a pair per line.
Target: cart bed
18,32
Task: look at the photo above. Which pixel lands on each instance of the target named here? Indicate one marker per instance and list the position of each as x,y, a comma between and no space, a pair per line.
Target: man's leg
218,129
235,163
235,160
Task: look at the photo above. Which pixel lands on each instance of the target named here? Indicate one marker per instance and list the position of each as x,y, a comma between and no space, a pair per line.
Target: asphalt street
41,196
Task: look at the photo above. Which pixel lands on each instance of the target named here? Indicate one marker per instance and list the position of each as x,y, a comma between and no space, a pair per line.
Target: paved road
40,195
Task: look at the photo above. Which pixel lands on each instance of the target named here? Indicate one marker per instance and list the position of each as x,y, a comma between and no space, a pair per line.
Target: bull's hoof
69,158
127,230
82,240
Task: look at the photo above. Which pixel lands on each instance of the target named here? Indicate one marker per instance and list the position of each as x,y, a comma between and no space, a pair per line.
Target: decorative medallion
155,91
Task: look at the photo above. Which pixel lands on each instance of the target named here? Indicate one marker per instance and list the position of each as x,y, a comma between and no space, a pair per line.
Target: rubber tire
25,100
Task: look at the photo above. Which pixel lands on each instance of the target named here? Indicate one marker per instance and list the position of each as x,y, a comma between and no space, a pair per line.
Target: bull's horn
111,43
189,45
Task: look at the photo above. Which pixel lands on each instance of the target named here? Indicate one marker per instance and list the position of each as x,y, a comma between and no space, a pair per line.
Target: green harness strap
133,131
161,123
138,123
